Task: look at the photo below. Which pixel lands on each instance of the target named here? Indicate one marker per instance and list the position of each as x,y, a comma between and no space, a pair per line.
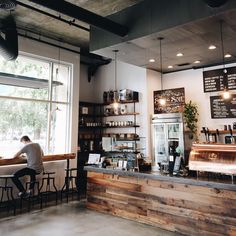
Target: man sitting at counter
34,154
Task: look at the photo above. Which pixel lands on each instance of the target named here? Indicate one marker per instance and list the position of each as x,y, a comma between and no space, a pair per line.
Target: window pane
61,82
59,128
25,77
13,91
20,118
26,66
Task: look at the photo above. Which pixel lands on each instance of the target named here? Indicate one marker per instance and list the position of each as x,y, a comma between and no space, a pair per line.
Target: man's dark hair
25,138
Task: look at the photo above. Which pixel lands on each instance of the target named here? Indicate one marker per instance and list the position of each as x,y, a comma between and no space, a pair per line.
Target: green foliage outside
17,116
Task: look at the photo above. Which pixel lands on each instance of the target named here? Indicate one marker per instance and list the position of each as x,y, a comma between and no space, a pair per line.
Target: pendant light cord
222,43
115,52
161,61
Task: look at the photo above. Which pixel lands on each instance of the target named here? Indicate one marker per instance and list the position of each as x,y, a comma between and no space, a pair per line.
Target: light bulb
226,94
115,105
162,101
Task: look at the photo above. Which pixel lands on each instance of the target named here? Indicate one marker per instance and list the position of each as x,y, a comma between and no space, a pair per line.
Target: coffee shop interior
134,105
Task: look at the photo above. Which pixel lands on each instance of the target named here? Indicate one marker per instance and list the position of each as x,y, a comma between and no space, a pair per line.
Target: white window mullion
50,84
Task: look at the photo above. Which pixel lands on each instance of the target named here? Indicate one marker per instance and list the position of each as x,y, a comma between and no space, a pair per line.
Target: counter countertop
180,180
55,157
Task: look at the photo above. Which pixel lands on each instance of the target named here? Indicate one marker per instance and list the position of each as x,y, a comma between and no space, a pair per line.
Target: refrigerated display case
167,136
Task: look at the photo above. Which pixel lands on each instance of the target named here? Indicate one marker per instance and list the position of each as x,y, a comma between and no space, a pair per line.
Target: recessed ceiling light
170,67
212,47
227,55
180,54
151,60
197,62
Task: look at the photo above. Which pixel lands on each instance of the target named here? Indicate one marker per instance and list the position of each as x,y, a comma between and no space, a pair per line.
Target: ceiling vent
7,4
9,44
215,3
184,64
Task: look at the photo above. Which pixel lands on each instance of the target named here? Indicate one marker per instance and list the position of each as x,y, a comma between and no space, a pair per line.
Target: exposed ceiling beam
84,15
53,16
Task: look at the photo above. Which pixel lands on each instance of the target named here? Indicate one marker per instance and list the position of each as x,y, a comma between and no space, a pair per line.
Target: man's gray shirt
34,156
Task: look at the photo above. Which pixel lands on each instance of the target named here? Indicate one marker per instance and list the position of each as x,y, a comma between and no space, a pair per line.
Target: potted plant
191,118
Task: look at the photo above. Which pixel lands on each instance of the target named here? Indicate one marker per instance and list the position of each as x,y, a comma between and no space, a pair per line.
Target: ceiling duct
7,4
9,44
215,3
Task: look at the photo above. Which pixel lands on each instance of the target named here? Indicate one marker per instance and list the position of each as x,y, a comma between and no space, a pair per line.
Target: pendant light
162,100
225,94
116,100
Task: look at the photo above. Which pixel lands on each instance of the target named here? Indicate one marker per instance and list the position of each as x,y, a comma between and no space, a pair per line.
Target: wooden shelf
126,114
126,126
121,102
220,131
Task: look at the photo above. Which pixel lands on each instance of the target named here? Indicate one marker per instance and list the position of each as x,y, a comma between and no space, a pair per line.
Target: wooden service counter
187,206
46,158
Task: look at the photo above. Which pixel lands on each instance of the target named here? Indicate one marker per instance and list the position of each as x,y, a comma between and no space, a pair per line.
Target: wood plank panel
187,209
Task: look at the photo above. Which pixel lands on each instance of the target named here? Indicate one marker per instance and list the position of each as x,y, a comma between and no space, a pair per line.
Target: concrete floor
74,219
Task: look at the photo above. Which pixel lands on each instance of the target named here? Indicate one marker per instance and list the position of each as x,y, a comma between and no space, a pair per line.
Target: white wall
27,46
192,81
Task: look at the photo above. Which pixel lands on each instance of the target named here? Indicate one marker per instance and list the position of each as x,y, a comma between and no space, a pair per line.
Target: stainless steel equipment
167,134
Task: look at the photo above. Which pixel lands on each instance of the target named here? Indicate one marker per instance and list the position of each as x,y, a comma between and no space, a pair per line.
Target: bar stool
5,188
70,178
48,188
33,197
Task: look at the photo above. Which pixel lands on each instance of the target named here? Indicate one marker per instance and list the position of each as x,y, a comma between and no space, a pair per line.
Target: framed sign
221,109
214,80
175,99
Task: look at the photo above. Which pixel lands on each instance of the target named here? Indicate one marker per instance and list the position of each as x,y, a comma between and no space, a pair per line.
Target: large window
34,101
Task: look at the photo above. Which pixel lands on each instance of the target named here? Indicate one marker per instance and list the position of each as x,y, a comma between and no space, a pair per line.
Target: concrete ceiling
192,39
45,25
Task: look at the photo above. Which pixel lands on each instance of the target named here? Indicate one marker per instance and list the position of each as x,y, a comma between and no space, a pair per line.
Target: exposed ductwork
7,4
215,3
9,44
84,15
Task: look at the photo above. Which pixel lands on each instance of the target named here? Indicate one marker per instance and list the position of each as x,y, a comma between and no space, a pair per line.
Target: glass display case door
159,143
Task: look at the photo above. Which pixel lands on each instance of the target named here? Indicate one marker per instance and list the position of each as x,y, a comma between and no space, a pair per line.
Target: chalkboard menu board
221,109
214,80
175,99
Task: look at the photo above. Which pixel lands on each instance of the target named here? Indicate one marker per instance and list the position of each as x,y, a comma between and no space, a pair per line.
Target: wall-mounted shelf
126,114
124,126
220,131
121,102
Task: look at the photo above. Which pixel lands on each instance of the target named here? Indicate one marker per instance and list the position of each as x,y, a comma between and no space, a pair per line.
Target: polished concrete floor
73,219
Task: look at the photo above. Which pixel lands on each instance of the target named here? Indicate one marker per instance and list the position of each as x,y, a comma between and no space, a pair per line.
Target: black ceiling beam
52,16
84,15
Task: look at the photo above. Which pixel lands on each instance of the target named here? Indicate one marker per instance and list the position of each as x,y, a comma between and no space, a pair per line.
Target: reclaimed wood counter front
56,157
181,205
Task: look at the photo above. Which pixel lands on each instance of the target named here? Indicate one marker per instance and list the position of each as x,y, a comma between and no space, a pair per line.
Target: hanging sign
175,99
213,80
221,109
